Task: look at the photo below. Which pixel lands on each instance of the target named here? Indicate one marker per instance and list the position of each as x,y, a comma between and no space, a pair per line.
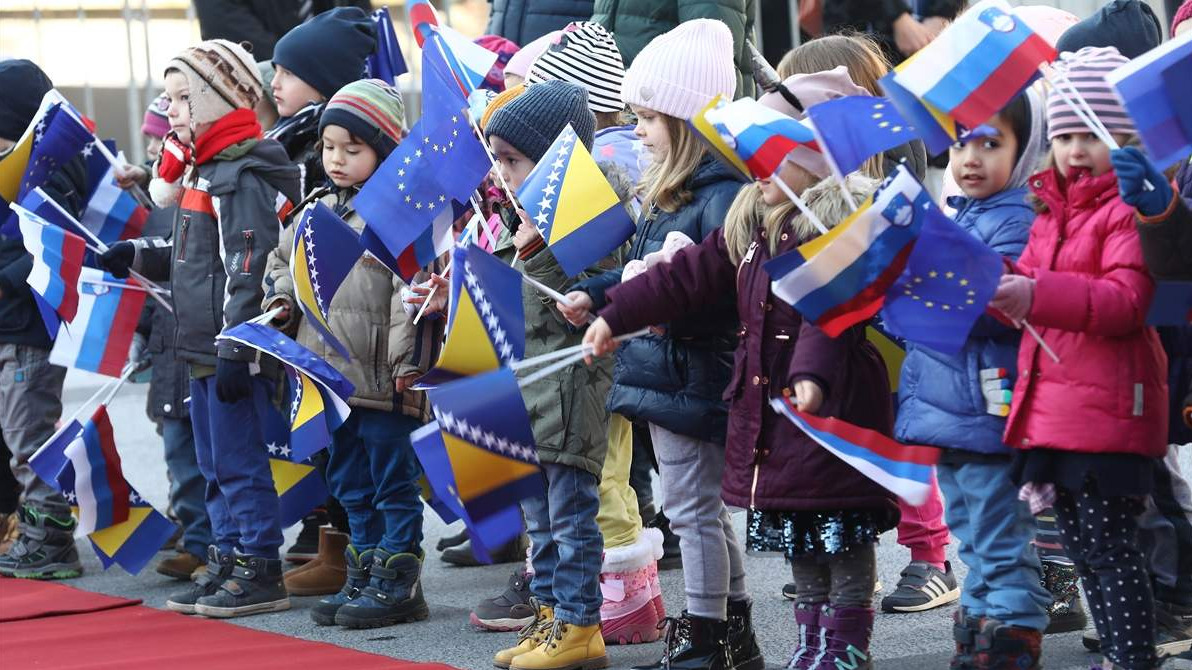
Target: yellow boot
566,647
531,635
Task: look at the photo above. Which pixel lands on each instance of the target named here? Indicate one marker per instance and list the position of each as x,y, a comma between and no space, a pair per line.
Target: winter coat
366,316
228,220
299,135
676,380
939,396
523,21
258,22
20,320
169,378
634,23
876,17
1167,241
769,463
1108,393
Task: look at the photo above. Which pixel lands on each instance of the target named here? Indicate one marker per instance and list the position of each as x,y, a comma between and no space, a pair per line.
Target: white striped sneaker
922,587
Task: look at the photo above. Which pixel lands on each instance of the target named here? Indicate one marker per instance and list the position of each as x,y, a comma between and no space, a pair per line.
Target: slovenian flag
57,262
760,136
715,142
977,64
97,339
469,61
101,492
1156,89
902,469
937,130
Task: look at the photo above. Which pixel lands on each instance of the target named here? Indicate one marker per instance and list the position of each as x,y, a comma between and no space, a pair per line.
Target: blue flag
297,482
60,137
325,251
937,130
387,62
278,345
1156,92
853,128
949,279
1172,304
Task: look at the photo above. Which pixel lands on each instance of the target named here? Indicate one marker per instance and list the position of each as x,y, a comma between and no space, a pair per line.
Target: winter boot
531,635
807,646
964,631
10,529
654,536
393,594
627,615
510,552
255,587
998,646
325,574
565,647
179,566
692,643
306,546
844,638
671,558
359,564
742,642
509,611
219,568
1173,630
44,549
1065,613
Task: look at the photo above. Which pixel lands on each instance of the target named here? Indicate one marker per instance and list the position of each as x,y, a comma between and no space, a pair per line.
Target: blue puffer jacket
939,396
676,380
523,21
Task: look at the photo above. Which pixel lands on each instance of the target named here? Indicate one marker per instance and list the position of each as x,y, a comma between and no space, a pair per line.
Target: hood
709,171
1036,144
269,161
1005,197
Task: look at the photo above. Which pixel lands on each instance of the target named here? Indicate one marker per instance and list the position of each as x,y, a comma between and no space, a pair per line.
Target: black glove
118,259
233,383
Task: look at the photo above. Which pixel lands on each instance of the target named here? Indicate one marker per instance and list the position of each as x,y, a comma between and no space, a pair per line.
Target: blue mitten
1133,170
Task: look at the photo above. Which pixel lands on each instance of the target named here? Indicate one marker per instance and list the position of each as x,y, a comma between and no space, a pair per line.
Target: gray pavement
902,641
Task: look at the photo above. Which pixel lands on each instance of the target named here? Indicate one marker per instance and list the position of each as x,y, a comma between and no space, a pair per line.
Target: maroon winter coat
770,464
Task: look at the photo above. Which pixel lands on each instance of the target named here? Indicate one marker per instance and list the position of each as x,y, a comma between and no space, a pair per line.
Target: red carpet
46,625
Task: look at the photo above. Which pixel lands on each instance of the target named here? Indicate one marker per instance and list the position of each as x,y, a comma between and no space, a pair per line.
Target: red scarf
237,126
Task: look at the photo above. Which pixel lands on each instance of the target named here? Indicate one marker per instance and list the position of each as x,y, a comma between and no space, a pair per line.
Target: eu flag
949,279
937,130
853,128
387,62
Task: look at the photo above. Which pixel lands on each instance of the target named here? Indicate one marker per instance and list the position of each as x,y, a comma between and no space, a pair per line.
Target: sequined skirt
797,534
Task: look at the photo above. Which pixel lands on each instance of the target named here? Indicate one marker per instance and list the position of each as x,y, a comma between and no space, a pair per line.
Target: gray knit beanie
532,120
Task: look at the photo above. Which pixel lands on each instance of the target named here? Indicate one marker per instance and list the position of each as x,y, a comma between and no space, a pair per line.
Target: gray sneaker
254,587
922,587
44,549
509,611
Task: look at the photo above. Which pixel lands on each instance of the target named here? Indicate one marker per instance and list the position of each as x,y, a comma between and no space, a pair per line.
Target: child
372,469
822,514
953,401
1089,427
234,184
568,408
674,382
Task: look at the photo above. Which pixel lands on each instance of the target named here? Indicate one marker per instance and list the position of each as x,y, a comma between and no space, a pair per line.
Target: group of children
1082,237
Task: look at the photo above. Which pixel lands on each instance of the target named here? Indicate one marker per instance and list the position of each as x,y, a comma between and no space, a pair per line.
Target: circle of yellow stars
911,290
434,148
879,116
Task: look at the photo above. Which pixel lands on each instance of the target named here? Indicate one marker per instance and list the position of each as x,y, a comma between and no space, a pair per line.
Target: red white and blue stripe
57,262
423,19
902,469
112,213
978,64
761,136
97,339
99,485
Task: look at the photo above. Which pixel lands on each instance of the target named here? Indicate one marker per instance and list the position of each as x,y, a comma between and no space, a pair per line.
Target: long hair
664,183
749,211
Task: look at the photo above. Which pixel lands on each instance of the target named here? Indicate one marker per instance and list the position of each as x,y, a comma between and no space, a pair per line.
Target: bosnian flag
99,483
761,136
97,339
977,64
57,262
902,469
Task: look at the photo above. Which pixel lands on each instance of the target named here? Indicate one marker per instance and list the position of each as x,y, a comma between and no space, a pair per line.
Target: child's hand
600,338
577,312
132,176
809,397
421,292
1133,171
403,383
526,233
1014,296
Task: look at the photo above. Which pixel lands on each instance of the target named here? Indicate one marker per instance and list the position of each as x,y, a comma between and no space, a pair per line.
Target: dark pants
10,489
230,447
373,472
188,488
1167,533
640,478
1101,536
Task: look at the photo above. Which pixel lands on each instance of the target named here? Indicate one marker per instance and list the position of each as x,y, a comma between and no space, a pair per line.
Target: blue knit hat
328,52
532,120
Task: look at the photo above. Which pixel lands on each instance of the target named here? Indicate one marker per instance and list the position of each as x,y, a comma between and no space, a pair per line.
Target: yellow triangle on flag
311,403
892,354
110,539
584,194
302,286
12,167
478,471
468,349
286,474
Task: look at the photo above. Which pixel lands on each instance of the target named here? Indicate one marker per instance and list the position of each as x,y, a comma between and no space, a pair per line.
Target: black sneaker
511,610
671,558
254,587
788,591
306,547
922,587
1173,631
393,595
219,568
446,543
45,548
513,551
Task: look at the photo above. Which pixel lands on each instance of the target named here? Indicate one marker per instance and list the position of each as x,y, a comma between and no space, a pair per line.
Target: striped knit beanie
222,77
371,110
1085,71
156,123
680,71
585,54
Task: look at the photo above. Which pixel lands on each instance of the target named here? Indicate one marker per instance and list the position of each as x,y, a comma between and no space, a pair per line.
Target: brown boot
327,573
9,530
181,565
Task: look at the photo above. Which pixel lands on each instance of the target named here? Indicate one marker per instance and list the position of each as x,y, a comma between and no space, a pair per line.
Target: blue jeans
373,473
188,488
995,530
567,545
230,447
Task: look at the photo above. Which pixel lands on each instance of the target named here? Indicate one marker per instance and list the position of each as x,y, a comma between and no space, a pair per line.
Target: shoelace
539,623
557,630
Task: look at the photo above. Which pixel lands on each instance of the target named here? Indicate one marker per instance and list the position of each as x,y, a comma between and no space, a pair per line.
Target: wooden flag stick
1039,338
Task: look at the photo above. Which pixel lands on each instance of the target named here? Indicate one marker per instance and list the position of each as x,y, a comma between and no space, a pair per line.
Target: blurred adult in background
261,22
901,27
523,21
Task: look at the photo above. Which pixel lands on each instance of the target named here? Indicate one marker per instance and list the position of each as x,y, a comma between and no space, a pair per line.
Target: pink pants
922,529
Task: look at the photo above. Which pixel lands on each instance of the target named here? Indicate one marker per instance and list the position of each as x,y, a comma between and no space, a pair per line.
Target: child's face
982,165
791,174
291,93
346,160
513,164
651,128
1080,153
153,147
179,110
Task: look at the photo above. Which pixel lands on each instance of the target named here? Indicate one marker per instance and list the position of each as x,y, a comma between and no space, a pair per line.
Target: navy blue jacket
940,401
676,380
523,21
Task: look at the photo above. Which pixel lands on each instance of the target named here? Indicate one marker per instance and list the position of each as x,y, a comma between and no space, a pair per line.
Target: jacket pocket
246,259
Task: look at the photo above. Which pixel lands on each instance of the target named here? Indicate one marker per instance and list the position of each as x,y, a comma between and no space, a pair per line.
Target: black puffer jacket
676,380
523,21
169,381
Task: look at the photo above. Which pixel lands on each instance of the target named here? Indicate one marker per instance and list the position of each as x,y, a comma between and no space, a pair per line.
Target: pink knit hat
680,71
812,89
1086,70
1182,14
155,123
521,62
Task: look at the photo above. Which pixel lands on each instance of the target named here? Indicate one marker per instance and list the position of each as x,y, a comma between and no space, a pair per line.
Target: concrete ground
901,641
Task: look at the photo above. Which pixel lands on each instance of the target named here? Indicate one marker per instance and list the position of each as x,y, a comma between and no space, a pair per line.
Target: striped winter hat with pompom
370,109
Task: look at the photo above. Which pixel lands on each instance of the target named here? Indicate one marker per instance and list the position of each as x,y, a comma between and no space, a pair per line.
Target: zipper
246,266
183,232
757,466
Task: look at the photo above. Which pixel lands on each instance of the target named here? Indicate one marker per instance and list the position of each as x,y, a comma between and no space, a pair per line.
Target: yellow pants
619,521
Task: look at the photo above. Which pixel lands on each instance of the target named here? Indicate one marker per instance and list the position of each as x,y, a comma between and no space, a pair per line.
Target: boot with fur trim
628,615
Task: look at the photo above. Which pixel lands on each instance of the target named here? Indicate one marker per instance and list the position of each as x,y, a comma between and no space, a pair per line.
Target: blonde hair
664,183
749,211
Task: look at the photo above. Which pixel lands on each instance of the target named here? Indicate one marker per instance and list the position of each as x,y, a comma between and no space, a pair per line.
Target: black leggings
1101,536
